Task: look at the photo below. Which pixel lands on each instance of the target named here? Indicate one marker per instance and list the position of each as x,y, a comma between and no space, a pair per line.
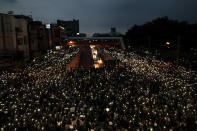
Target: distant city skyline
99,16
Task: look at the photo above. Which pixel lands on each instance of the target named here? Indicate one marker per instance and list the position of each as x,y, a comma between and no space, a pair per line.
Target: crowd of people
144,93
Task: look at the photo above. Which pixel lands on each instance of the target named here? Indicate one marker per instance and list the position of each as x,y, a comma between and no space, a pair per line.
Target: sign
48,26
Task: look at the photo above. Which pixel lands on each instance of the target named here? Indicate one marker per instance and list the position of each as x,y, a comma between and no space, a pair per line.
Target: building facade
14,36
8,36
22,35
55,36
70,28
38,38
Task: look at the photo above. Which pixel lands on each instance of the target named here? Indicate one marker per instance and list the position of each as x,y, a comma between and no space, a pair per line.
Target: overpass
99,41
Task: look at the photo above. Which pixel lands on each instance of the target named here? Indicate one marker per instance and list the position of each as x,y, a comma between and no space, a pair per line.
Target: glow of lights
48,76
71,42
95,52
58,47
100,61
59,123
92,46
48,26
71,126
167,43
96,65
62,28
107,109
94,57
110,123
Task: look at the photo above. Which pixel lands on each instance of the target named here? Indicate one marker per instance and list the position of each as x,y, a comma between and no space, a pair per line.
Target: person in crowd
144,94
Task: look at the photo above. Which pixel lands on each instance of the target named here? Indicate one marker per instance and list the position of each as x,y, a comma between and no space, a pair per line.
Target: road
83,59
86,60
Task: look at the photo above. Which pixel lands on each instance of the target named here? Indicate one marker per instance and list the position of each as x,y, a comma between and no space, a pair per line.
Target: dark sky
101,15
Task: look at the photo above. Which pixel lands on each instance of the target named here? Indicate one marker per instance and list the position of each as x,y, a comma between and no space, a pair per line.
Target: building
69,28
22,35
115,42
14,37
38,38
8,46
81,35
55,35
62,30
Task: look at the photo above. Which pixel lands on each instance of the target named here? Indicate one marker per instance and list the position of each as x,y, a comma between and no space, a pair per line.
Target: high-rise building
22,34
38,38
55,35
7,34
14,35
69,28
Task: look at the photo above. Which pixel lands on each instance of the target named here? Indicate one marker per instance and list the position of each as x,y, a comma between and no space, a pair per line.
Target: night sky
101,15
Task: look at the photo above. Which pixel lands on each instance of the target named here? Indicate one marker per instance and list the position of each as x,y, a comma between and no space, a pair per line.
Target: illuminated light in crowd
96,65
71,127
100,61
110,123
58,47
167,43
95,52
92,46
71,42
59,123
107,109
47,87
94,57
61,27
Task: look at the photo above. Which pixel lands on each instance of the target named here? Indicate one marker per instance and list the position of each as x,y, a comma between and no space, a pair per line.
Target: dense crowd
137,93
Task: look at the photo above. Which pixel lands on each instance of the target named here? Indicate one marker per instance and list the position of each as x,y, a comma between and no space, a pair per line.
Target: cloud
100,15
9,1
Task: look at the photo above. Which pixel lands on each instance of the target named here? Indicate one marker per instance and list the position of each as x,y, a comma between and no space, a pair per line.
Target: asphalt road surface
86,60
